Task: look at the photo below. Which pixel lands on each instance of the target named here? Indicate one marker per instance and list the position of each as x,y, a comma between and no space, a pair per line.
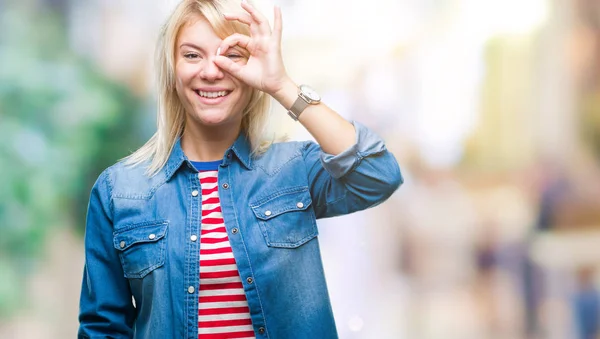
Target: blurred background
492,108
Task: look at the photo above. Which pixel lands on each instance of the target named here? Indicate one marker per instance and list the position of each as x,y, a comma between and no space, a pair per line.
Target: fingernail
244,1
218,51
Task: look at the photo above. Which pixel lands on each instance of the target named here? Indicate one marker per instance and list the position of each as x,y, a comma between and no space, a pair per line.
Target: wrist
287,94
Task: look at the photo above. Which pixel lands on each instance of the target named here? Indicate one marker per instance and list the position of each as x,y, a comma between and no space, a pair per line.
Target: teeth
212,94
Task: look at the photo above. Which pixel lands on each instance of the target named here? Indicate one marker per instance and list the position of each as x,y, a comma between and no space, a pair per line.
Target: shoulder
130,181
289,149
281,153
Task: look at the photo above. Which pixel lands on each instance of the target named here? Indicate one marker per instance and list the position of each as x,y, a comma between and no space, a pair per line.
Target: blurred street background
492,108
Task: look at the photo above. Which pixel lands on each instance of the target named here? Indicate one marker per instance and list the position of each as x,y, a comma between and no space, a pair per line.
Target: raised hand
264,69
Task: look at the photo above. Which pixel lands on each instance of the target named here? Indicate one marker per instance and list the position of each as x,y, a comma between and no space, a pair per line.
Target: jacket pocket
286,218
141,247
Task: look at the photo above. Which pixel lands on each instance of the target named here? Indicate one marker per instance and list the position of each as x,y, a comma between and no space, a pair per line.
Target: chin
213,118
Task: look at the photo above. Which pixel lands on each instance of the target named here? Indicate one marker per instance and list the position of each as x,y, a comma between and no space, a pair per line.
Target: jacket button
194,237
250,280
261,330
191,289
194,193
152,236
268,213
300,205
234,231
122,244
225,185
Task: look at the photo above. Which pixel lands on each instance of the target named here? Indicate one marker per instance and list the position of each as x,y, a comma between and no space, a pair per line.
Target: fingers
256,15
240,17
277,23
258,18
235,39
228,66
253,16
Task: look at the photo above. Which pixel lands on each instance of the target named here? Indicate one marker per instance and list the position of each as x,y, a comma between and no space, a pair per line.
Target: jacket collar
241,148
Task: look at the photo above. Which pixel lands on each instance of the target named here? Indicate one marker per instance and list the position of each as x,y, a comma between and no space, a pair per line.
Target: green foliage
61,123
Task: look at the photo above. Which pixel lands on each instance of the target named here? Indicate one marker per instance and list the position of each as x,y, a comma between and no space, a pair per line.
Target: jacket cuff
367,143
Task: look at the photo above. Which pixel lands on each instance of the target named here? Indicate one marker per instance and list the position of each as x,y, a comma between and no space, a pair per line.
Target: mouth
211,94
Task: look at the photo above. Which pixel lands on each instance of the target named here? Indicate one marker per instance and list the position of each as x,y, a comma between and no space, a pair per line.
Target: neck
207,143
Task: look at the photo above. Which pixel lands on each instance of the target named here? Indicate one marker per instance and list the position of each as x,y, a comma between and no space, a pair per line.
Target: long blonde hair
171,113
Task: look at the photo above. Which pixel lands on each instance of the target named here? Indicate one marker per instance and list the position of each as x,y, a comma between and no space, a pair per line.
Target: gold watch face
310,93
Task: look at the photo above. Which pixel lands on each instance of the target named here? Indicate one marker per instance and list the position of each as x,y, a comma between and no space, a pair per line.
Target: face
210,96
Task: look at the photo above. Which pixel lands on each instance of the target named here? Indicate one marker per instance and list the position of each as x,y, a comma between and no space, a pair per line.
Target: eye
234,56
191,55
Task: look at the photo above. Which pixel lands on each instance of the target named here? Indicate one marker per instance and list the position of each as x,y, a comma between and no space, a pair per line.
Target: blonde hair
171,113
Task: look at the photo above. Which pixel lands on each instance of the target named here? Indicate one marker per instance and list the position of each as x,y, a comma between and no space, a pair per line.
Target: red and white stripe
222,306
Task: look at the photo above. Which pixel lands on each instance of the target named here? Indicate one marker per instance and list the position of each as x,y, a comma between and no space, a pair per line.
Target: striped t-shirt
222,306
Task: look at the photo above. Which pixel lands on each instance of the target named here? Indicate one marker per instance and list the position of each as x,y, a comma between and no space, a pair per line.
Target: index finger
258,17
241,17
233,40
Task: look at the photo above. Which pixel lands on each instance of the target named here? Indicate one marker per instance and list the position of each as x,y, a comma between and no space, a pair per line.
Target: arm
332,132
350,169
105,308
264,70
362,176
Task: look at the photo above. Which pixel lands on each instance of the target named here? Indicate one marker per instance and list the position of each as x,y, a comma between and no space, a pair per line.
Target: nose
210,71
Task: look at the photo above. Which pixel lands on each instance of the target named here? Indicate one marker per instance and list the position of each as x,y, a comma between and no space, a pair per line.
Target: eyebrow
188,44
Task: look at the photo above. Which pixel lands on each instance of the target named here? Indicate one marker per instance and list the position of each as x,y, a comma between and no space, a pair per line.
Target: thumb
229,66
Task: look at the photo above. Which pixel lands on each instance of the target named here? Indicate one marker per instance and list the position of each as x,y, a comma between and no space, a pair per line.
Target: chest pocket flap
141,247
286,218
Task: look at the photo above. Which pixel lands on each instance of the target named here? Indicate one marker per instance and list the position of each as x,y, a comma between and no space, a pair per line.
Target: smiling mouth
212,95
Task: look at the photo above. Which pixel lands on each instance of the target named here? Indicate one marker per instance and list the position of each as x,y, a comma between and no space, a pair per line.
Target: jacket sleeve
105,309
363,176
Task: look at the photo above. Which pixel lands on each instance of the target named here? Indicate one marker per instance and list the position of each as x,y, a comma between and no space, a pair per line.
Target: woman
208,231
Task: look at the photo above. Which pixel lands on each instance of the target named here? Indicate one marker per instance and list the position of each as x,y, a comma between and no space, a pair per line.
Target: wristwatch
306,96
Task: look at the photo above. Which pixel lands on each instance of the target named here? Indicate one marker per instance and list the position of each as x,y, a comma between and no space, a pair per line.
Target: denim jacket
142,262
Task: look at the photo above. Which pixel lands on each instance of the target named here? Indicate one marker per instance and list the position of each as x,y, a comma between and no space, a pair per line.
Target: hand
264,69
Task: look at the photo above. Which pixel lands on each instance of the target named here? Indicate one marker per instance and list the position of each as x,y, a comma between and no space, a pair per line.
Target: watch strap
297,108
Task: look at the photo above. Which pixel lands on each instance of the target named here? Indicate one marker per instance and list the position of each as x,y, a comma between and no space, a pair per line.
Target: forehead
197,30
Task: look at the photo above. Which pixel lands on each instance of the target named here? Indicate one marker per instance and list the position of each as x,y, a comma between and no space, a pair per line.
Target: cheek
247,96
183,77
244,97
181,80
245,91
180,89
184,74
178,84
